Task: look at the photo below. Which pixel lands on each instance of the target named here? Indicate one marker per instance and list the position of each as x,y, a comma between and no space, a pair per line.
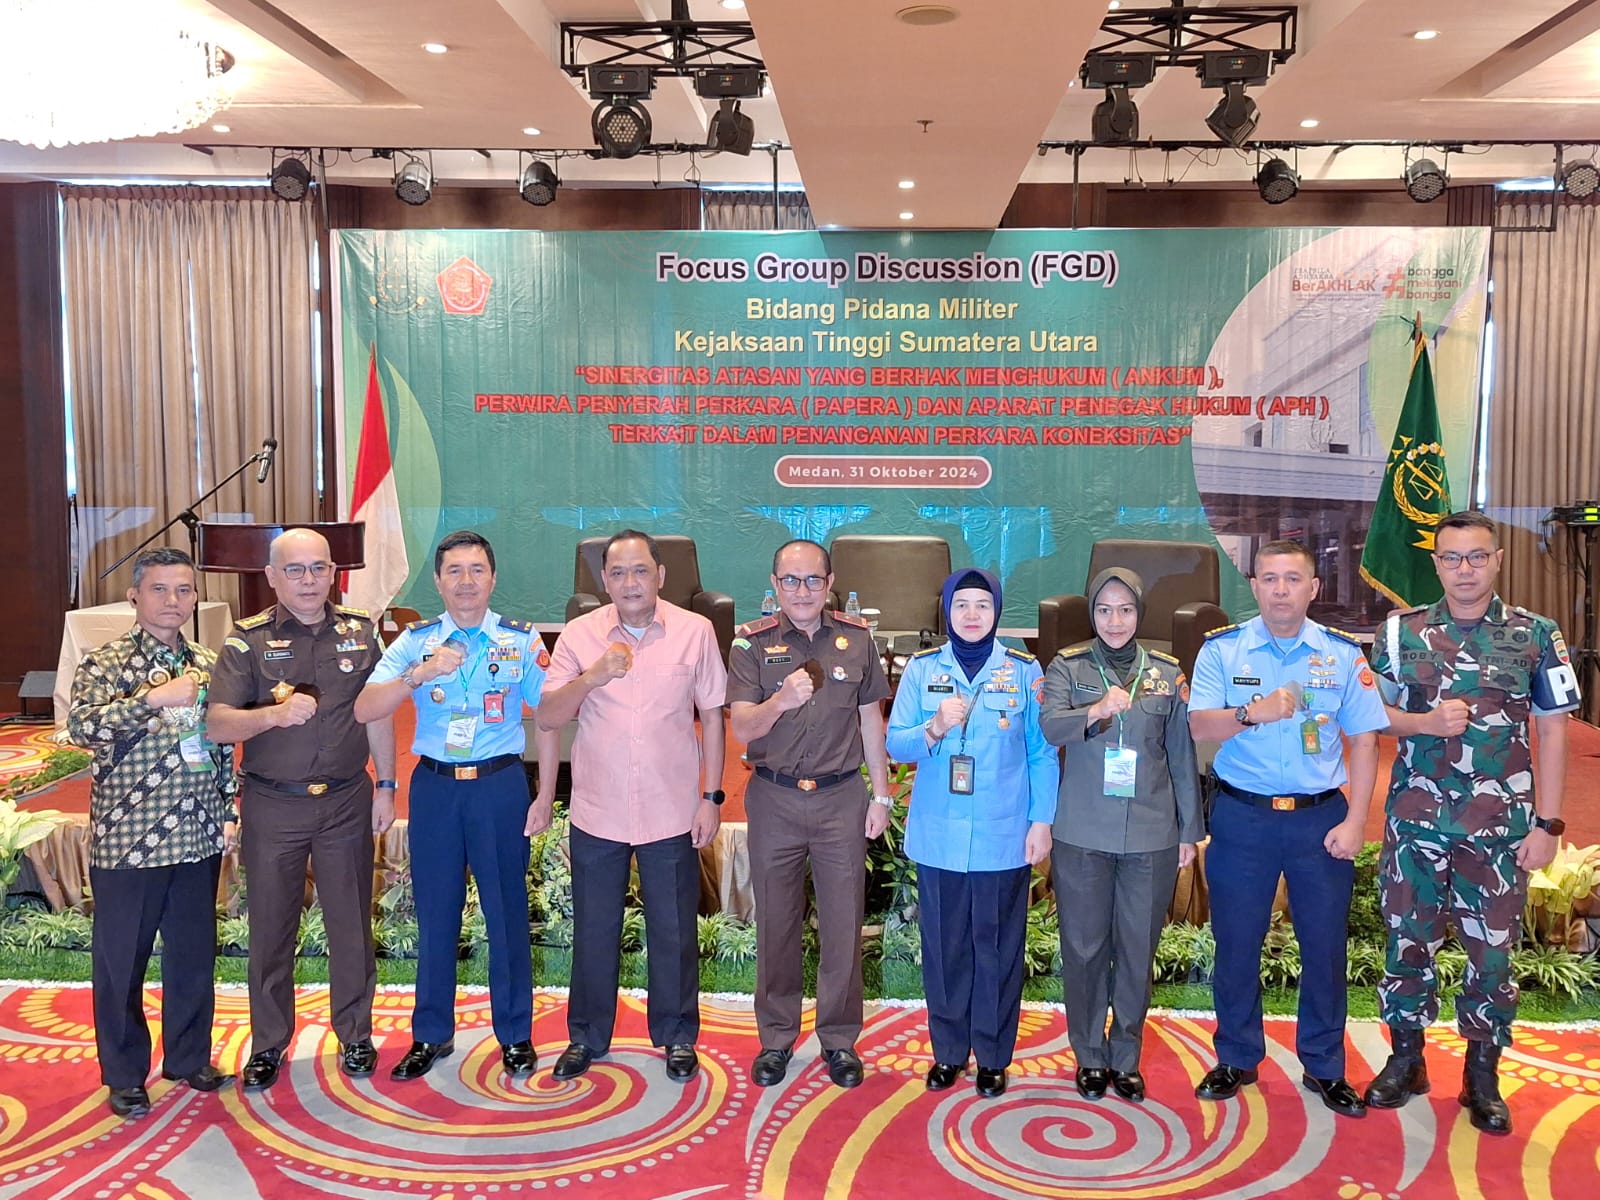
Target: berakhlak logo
464,288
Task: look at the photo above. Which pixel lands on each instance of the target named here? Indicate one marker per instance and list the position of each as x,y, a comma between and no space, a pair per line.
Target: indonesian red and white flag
375,500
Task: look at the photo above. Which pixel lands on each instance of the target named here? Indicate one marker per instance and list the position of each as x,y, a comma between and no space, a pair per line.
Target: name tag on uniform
1247,680
773,659
272,655
459,734
948,688
1122,765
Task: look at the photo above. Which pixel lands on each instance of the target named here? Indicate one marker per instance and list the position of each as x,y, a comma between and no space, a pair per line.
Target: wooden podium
242,550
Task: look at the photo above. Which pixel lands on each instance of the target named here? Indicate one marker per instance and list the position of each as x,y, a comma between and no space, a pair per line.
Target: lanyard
1133,692
467,670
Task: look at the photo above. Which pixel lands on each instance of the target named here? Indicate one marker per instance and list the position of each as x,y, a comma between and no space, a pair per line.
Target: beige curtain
189,322
1543,436
725,209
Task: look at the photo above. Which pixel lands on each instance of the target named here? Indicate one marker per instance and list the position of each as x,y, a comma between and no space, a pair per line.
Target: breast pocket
1003,702
1156,704
670,687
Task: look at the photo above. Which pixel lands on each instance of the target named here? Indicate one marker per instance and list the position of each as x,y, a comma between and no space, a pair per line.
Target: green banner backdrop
1020,393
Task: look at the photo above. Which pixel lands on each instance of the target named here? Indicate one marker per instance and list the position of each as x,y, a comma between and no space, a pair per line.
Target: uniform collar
613,619
827,626
151,646
447,624
1311,634
281,616
947,658
1439,612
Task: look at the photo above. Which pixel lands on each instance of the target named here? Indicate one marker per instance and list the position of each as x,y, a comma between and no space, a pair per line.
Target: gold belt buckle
806,785
467,772
316,789
1283,804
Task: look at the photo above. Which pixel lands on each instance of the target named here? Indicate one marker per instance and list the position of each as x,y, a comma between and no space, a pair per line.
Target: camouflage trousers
1429,880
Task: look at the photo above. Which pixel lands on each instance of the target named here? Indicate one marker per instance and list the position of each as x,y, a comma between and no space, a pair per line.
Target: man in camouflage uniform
1460,679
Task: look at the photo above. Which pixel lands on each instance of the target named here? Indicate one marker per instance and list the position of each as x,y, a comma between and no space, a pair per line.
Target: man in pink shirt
633,673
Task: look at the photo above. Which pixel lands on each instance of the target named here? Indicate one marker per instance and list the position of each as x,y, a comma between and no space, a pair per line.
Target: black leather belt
1284,803
313,787
468,770
804,785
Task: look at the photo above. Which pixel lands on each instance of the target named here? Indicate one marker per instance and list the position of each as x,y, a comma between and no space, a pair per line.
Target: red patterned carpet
623,1130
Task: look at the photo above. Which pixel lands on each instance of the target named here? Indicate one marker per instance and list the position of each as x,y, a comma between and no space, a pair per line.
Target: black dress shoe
990,1082
262,1069
770,1067
518,1058
1337,1095
1092,1082
129,1102
359,1058
844,1067
943,1075
682,1062
1223,1082
419,1060
1129,1085
574,1061
206,1079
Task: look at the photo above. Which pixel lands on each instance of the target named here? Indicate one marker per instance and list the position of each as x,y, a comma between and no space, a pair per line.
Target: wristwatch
408,677
388,783
1554,826
885,801
1242,715
716,797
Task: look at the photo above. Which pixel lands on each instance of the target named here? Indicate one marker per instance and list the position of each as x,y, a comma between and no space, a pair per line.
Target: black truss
666,47
1180,37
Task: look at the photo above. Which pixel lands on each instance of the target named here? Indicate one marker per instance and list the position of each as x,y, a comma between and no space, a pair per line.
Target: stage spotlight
538,183
1115,121
1578,179
1277,181
413,181
621,127
290,179
1235,117
1425,180
730,129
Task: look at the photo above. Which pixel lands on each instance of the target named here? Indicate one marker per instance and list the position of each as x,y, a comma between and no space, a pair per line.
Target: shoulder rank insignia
847,619
516,623
1343,636
760,625
348,610
925,653
261,618
426,623
1226,629
1022,655
1074,651
1162,656
234,643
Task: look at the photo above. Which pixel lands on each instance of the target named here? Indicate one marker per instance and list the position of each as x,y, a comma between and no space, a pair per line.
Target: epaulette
1225,629
1163,656
519,625
1343,636
261,618
858,622
351,611
1074,651
1409,612
1023,655
925,653
423,624
759,625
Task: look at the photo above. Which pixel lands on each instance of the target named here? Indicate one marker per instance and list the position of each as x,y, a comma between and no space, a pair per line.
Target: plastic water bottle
769,604
852,606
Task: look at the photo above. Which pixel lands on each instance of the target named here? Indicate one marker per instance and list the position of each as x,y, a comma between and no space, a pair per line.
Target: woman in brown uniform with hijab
1128,818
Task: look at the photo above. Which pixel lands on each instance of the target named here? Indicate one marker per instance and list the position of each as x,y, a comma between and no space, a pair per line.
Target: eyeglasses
298,571
1451,561
791,583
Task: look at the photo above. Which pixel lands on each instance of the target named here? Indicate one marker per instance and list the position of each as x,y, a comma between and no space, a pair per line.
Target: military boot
1480,1089
1405,1074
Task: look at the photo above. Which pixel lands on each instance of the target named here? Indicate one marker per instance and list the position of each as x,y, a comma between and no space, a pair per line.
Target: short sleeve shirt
823,736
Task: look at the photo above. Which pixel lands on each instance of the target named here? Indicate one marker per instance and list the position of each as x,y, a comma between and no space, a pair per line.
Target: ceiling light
413,181
222,129
436,47
1425,35
1115,120
927,14
1578,178
289,179
730,129
906,216
538,183
1425,180
1277,181
620,124
733,4
1235,117
532,130
1310,123
1114,5
907,184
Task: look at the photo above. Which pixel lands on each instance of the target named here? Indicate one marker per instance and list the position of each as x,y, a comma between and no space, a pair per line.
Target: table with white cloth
88,628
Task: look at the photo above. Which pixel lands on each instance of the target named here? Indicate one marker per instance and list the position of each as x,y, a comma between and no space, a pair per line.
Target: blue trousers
1250,848
974,925
476,823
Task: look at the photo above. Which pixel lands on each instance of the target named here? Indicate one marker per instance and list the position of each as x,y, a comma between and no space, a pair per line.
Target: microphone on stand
268,449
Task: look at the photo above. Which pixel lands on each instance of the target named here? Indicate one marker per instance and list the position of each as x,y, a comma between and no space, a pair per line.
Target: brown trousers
828,828
279,833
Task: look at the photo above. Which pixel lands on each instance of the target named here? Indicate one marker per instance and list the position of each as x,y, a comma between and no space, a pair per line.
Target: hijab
970,655
1122,658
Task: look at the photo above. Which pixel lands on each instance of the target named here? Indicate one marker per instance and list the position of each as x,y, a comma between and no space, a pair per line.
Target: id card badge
961,767
494,708
196,753
1122,765
458,735
1310,736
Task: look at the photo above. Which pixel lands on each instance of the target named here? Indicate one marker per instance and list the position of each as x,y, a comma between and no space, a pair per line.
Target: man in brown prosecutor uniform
804,691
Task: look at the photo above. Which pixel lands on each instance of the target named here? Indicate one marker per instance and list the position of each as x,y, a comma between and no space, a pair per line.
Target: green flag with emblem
1414,497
